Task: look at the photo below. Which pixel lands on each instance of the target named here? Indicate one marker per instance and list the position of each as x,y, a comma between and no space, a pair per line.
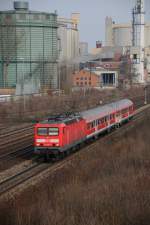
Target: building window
89,78
85,83
77,83
8,17
85,78
89,83
47,17
81,83
22,16
36,17
81,78
77,78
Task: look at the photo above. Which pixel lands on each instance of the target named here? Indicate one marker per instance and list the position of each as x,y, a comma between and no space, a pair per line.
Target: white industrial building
135,37
83,48
121,34
68,36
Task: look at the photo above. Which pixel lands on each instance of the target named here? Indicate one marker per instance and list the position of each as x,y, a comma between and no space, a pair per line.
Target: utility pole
145,95
22,83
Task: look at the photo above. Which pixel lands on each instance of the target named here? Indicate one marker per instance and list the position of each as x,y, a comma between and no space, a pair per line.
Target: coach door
118,117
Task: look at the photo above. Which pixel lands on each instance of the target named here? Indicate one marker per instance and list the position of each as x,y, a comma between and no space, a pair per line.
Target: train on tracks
61,133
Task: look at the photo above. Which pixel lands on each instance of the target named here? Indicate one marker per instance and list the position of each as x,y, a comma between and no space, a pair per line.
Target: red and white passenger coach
57,134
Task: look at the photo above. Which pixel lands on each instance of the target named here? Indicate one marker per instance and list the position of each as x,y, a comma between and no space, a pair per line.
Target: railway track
15,147
21,177
18,153
18,139
14,158
10,129
15,133
40,170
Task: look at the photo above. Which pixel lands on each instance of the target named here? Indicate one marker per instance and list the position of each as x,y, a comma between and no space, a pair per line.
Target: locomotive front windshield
53,131
44,131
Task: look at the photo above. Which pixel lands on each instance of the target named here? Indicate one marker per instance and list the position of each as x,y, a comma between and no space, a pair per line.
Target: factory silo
28,49
122,35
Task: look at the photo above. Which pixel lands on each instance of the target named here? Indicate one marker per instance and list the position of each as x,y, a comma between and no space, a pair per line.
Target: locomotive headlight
40,140
54,140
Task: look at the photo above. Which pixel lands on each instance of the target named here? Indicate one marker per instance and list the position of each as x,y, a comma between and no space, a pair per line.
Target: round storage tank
20,5
28,49
122,36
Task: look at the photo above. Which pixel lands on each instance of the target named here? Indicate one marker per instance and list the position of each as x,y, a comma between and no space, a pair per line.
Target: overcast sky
92,13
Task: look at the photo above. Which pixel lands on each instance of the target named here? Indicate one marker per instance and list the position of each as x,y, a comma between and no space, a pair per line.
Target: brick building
95,78
86,78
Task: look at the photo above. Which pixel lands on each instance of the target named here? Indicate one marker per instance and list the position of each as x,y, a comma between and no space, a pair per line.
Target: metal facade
28,48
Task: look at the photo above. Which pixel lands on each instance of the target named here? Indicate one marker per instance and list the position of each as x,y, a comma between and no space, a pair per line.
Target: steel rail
24,175
14,154
15,131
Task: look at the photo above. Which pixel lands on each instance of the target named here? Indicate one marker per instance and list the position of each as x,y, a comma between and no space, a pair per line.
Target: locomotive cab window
53,131
42,131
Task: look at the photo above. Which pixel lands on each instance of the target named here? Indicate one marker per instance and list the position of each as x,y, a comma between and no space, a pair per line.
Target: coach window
93,124
112,116
102,120
97,122
118,113
88,126
42,131
124,110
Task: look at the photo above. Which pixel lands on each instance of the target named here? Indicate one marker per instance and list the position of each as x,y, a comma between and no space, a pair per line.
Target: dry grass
109,185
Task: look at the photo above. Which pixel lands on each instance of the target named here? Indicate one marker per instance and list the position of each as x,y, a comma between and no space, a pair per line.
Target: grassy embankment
109,185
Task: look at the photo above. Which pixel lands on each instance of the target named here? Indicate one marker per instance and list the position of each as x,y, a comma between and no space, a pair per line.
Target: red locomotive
60,133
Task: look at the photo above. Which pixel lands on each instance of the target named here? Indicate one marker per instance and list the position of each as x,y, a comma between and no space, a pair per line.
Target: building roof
102,111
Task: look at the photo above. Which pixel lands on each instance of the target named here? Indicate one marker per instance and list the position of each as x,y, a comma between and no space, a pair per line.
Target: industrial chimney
138,42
